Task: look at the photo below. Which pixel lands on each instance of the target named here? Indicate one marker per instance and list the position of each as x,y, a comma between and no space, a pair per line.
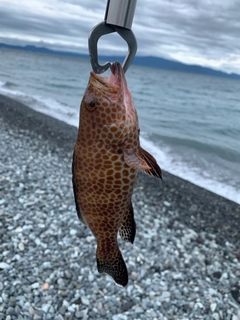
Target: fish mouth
117,77
114,81
117,73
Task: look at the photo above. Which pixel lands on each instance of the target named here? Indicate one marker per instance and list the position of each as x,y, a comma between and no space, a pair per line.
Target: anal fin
154,170
127,230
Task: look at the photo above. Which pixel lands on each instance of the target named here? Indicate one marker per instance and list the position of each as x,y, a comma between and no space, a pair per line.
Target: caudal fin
114,265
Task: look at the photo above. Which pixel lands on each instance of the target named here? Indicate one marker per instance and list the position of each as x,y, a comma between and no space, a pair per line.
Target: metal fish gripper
118,18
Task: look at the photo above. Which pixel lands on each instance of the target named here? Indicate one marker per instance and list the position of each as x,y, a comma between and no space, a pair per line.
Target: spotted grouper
107,156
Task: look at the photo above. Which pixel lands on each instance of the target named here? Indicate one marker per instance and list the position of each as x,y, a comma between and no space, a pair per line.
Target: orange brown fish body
106,158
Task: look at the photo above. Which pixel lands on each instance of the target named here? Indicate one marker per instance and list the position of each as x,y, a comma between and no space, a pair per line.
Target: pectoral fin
127,230
154,170
135,161
143,161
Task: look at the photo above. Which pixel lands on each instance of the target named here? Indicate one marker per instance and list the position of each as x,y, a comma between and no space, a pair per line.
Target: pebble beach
183,265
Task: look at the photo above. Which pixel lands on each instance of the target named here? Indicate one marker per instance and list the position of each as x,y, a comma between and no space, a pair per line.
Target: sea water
189,122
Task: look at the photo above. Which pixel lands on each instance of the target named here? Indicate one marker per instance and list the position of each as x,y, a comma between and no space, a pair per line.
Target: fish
106,158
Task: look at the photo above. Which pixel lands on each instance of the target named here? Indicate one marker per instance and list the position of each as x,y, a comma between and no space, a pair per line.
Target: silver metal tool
118,18
120,13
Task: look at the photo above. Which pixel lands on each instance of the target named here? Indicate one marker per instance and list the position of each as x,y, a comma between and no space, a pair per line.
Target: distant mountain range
153,62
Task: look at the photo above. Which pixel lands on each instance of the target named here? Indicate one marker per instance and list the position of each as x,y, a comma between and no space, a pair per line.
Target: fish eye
91,106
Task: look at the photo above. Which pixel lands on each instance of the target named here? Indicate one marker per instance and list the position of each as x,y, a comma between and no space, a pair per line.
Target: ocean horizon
189,122
145,61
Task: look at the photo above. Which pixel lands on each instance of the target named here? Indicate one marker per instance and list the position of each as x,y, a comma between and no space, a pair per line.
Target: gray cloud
204,32
203,27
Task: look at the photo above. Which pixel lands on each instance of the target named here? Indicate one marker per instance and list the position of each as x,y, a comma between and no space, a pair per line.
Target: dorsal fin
80,216
154,170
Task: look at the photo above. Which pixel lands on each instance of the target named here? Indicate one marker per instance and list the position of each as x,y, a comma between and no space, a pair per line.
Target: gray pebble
215,316
68,274
58,317
35,285
31,279
138,310
4,297
119,317
47,265
63,310
73,232
61,283
78,314
128,305
21,246
4,265
45,307
85,300
11,311
17,309
91,277
31,310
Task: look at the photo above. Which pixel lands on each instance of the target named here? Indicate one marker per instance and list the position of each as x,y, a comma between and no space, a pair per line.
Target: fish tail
110,261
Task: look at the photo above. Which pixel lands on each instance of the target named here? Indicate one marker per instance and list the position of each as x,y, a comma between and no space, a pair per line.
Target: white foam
44,105
195,175
9,91
56,110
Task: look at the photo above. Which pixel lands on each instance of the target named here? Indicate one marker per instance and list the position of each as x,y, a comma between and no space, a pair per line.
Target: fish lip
115,68
117,74
118,78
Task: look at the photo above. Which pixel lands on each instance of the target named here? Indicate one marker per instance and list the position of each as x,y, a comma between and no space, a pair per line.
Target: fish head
107,111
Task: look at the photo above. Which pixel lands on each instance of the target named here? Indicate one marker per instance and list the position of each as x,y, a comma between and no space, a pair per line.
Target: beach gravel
184,264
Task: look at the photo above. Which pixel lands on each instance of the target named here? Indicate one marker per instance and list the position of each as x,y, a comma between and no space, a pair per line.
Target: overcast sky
203,32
